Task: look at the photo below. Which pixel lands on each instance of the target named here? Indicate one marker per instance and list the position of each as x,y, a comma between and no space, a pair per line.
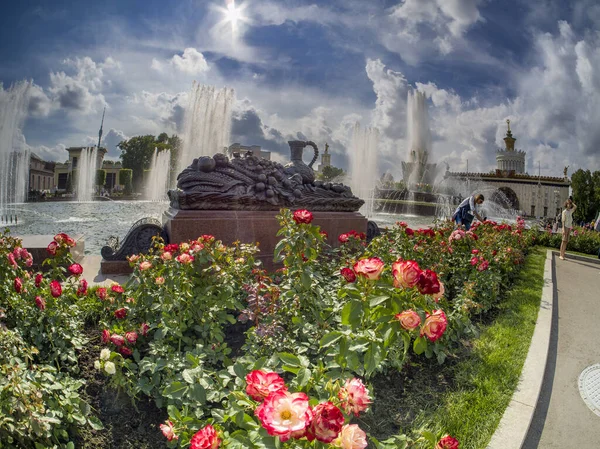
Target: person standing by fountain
567,224
467,211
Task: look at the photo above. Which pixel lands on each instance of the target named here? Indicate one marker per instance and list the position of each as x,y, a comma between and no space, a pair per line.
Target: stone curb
515,422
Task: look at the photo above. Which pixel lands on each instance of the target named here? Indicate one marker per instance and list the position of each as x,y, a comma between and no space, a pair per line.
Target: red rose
343,238
52,247
101,293
348,274
259,384
435,325
369,268
75,269
40,302
447,442
55,289
303,216
82,288
124,350
326,424
483,265
409,232
475,251
205,438
131,337
38,279
144,328
428,283
120,313
18,285
106,336
172,248
117,288
117,340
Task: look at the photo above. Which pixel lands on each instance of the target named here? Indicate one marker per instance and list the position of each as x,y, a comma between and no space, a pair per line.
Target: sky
312,69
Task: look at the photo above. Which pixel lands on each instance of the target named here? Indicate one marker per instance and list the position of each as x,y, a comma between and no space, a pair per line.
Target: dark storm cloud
247,128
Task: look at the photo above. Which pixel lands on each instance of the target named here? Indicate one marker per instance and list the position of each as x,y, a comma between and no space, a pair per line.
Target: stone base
115,267
252,227
37,244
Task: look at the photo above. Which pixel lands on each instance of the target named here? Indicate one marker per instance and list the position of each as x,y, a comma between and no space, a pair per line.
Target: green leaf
188,376
239,370
198,393
176,390
95,423
373,358
429,436
174,412
330,338
376,300
303,377
420,345
441,356
351,313
290,359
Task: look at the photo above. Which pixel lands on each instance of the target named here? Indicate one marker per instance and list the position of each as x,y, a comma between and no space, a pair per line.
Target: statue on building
565,172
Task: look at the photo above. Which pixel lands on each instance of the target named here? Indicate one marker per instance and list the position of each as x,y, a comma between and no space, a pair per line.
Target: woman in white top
567,224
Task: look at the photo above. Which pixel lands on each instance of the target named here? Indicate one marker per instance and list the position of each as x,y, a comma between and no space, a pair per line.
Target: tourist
468,210
567,225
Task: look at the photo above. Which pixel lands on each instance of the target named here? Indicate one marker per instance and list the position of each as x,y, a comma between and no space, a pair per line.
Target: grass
466,397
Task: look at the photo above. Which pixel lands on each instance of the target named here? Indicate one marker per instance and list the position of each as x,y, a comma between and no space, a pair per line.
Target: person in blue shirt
467,211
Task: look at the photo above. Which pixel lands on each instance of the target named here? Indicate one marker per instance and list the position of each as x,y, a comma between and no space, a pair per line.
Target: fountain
157,183
14,161
363,165
207,126
86,174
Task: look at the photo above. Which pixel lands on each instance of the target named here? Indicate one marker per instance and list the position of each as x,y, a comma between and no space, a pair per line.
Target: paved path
91,272
562,420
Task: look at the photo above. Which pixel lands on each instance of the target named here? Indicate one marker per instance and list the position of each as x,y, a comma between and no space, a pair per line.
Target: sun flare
233,14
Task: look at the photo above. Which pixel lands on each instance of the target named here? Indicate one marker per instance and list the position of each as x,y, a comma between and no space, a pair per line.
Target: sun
233,14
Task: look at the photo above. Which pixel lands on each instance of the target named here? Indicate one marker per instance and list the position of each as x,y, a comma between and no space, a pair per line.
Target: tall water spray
417,170
86,173
363,165
14,158
158,179
207,128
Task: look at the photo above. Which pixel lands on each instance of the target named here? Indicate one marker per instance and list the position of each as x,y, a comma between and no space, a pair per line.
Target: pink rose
38,279
261,383
303,216
166,256
351,437
406,273
55,289
101,293
40,302
402,224
456,235
82,288
117,340
51,248
483,265
159,280
474,251
117,288
205,438
369,268
133,258
428,283
354,396
75,269
343,238
106,336
409,319
131,337
435,325
18,285
474,261
124,350
144,328
168,431
185,258
437,296
447,442
282,413
120,313
326,424
348,274
145,265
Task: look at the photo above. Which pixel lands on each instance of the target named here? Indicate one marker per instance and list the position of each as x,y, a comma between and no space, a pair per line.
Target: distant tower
100,132
510,160
325,159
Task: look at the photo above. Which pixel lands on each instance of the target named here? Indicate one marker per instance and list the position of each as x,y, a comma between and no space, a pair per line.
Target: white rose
105,354
109,367
97,364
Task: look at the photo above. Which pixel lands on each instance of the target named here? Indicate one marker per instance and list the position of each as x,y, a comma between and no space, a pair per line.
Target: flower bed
582,240
318,330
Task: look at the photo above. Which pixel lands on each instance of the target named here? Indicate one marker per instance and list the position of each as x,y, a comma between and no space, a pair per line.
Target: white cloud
191,62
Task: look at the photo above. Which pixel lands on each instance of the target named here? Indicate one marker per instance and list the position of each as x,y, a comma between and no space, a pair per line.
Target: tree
100,178
125,176
330,173
583,195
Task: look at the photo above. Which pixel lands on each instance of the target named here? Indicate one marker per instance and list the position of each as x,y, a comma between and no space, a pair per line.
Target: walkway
561,419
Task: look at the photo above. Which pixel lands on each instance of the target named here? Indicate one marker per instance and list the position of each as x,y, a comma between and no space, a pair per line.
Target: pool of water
99,220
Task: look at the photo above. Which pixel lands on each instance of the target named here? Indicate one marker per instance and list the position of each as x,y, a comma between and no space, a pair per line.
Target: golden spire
509,140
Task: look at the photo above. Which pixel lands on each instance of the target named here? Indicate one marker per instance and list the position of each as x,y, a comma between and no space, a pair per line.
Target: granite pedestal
252,226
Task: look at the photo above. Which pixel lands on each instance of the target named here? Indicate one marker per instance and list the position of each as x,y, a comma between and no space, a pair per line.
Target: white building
534,196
